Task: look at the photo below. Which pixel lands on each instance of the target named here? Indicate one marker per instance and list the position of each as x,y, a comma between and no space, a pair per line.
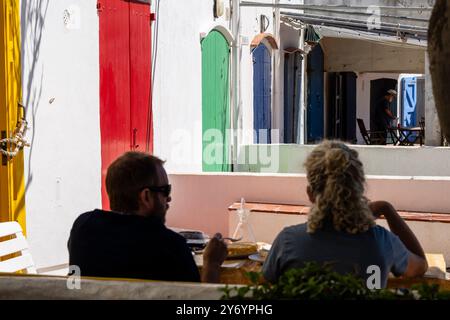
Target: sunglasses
165,190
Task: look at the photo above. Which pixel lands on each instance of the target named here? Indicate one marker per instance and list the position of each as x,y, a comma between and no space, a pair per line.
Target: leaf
315,281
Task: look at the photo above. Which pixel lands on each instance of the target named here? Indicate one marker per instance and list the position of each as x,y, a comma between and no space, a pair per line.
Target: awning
334,32
352,32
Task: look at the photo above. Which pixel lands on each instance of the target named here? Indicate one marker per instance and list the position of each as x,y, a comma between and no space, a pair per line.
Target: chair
371,137
412,136
14,253
422,130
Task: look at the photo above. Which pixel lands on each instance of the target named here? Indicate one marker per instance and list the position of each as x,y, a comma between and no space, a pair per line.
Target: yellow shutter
12,188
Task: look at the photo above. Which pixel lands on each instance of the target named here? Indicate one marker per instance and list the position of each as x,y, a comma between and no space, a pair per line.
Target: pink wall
421,194
200,201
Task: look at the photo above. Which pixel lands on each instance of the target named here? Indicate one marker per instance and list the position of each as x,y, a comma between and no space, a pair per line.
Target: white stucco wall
61,91
377,160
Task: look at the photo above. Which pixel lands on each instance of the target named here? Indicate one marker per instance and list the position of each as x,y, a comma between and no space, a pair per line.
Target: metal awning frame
343,32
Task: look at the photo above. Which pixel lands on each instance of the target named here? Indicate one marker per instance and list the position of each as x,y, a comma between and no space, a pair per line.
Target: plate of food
241,250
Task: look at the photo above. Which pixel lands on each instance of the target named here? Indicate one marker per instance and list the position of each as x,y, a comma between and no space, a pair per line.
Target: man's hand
213,257
216,251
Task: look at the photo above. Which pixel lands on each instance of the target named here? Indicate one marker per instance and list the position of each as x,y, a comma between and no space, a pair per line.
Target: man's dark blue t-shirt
382,119
108,244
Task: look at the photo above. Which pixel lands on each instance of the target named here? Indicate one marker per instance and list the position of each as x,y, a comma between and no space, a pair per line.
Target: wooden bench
268,219
304,210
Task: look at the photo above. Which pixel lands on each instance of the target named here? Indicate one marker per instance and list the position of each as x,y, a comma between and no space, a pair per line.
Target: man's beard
160,212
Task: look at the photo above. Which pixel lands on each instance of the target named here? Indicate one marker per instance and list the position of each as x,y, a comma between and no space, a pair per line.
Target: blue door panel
409,102
289,84
292,97
315,106
350,107
262,95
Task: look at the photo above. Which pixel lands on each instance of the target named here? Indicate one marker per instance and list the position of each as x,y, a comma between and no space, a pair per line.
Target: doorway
342,106
378,89
292,96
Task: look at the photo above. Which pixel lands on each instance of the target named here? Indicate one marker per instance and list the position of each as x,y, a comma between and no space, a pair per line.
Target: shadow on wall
33,14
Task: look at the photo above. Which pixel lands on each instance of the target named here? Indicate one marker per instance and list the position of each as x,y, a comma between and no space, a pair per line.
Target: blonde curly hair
336,181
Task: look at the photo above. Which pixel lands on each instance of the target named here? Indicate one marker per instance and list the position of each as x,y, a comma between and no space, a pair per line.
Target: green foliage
319,282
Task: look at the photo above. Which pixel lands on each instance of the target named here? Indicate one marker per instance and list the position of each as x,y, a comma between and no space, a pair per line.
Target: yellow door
12,189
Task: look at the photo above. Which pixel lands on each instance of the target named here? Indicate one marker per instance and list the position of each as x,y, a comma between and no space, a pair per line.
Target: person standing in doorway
383,115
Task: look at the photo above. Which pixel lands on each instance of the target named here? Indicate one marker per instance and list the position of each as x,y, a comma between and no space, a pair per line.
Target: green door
215,102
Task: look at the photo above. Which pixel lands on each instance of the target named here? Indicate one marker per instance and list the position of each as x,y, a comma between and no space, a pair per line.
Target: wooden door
215,102
292,97
262,94
315,105
125,79
342,106
140,78
12,182
409,102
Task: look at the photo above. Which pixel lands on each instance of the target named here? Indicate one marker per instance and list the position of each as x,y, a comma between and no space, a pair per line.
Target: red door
125,77
140,49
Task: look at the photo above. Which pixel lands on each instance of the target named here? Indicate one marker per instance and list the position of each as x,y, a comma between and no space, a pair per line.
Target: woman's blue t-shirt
347,253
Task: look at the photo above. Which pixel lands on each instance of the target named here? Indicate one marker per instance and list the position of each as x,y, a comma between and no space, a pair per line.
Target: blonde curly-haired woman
341,227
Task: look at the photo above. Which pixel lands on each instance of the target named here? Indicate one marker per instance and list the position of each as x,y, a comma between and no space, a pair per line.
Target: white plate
256,257
226,264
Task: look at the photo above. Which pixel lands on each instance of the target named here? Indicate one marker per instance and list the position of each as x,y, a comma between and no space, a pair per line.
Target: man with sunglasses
131,241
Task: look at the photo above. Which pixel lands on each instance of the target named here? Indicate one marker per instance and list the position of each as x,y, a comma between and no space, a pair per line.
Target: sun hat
392,92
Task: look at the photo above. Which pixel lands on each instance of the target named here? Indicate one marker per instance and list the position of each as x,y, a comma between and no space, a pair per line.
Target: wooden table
409,282
234,275
237,276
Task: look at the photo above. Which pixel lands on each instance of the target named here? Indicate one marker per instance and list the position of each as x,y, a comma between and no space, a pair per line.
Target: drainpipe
235,91
301,134
277,106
